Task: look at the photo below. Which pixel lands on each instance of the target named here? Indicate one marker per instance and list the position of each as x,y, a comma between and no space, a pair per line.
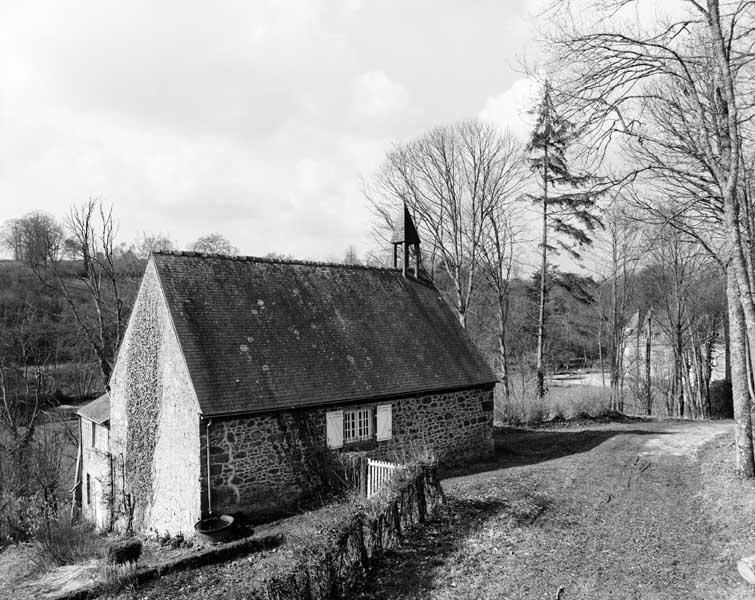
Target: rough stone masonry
264,464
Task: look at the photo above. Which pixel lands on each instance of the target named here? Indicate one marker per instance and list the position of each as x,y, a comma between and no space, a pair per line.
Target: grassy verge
730,505
560,403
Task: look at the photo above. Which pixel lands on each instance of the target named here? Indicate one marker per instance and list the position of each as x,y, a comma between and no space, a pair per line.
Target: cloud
375,95
509,109
257,119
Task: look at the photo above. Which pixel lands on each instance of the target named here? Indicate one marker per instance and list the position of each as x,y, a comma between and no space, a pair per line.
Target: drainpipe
209,486
77,481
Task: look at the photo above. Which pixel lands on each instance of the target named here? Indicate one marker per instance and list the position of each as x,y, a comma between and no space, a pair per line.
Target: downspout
75,503
111,461
209,487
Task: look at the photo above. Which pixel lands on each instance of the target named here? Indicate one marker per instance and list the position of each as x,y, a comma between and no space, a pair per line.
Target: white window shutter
384,422
334,425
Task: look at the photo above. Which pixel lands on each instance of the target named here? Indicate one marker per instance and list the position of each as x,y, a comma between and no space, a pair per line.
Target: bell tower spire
405,235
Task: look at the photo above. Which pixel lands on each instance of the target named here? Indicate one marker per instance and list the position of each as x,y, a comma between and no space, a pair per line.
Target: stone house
238,377
94,436
661,351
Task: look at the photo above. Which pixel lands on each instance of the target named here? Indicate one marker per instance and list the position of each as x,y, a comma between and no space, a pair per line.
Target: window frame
354,422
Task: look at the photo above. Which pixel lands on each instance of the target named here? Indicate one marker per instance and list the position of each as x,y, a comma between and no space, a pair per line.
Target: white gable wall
174,502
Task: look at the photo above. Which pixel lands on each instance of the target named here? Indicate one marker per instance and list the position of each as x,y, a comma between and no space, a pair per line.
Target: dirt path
610,511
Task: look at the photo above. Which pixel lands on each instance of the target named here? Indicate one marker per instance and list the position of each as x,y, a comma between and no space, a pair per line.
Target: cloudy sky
256,119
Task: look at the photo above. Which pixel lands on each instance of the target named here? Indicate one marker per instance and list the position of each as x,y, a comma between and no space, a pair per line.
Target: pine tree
567,207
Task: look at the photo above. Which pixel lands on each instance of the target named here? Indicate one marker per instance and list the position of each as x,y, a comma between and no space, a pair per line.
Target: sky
258,120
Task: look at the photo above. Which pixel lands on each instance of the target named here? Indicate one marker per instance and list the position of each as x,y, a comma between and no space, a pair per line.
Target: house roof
97,410
260,334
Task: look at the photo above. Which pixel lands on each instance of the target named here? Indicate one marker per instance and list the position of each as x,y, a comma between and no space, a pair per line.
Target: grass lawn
637,509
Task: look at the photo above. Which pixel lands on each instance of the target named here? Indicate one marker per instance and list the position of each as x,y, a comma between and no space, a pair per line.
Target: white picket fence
378,472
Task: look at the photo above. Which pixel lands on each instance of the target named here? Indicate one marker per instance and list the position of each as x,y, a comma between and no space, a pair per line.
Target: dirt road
603,511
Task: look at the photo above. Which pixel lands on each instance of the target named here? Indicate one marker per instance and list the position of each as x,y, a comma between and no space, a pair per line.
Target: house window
94,434
89,490
357,425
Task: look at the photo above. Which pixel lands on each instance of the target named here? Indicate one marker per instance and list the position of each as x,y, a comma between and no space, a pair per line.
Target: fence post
363,473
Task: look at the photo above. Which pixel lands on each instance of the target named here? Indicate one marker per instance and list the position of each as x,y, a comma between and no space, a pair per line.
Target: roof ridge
262,259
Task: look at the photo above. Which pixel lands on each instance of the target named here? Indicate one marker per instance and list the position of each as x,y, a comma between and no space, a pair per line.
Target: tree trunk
745,458
648,381
504,367
543,270
679,368
727,349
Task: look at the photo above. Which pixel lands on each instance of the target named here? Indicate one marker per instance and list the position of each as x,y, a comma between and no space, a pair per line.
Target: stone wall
154,421
95,462
175,475
455,428
264,464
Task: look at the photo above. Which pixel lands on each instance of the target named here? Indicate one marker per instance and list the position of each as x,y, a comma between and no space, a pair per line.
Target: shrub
721,406
117,576
124,550
579,401
522,407
571,402
19,517
63,542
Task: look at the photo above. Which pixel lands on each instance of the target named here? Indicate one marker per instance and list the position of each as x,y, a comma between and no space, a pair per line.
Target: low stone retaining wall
330,566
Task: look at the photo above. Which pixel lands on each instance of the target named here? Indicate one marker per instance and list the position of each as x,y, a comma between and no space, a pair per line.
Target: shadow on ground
520,447
410,570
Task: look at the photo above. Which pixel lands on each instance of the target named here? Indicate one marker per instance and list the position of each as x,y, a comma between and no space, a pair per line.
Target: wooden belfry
405,234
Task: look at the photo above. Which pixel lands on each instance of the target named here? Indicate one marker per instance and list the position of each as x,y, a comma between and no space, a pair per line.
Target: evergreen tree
567,207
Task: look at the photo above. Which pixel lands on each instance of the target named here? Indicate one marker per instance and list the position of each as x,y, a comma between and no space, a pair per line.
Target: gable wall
175,505
265,464
154,419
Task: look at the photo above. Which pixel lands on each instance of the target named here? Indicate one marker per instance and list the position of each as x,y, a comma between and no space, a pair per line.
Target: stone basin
215,530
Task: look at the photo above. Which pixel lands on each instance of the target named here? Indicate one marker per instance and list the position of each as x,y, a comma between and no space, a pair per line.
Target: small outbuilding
238,377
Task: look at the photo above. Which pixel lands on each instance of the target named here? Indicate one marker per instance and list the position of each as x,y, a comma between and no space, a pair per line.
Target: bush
117,576
721,405
124,550
63,542
579,401
19,517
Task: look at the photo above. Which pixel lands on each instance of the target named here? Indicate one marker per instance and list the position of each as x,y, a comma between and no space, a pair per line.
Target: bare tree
25,384
621,243
697,67
214,243
35,238
153,242
351,257
501,236
95,268
451,179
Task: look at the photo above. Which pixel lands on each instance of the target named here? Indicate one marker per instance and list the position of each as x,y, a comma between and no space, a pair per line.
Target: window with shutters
360,424
357,425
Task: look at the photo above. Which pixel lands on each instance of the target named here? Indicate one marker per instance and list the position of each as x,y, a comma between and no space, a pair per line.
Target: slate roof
260,334
97,410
